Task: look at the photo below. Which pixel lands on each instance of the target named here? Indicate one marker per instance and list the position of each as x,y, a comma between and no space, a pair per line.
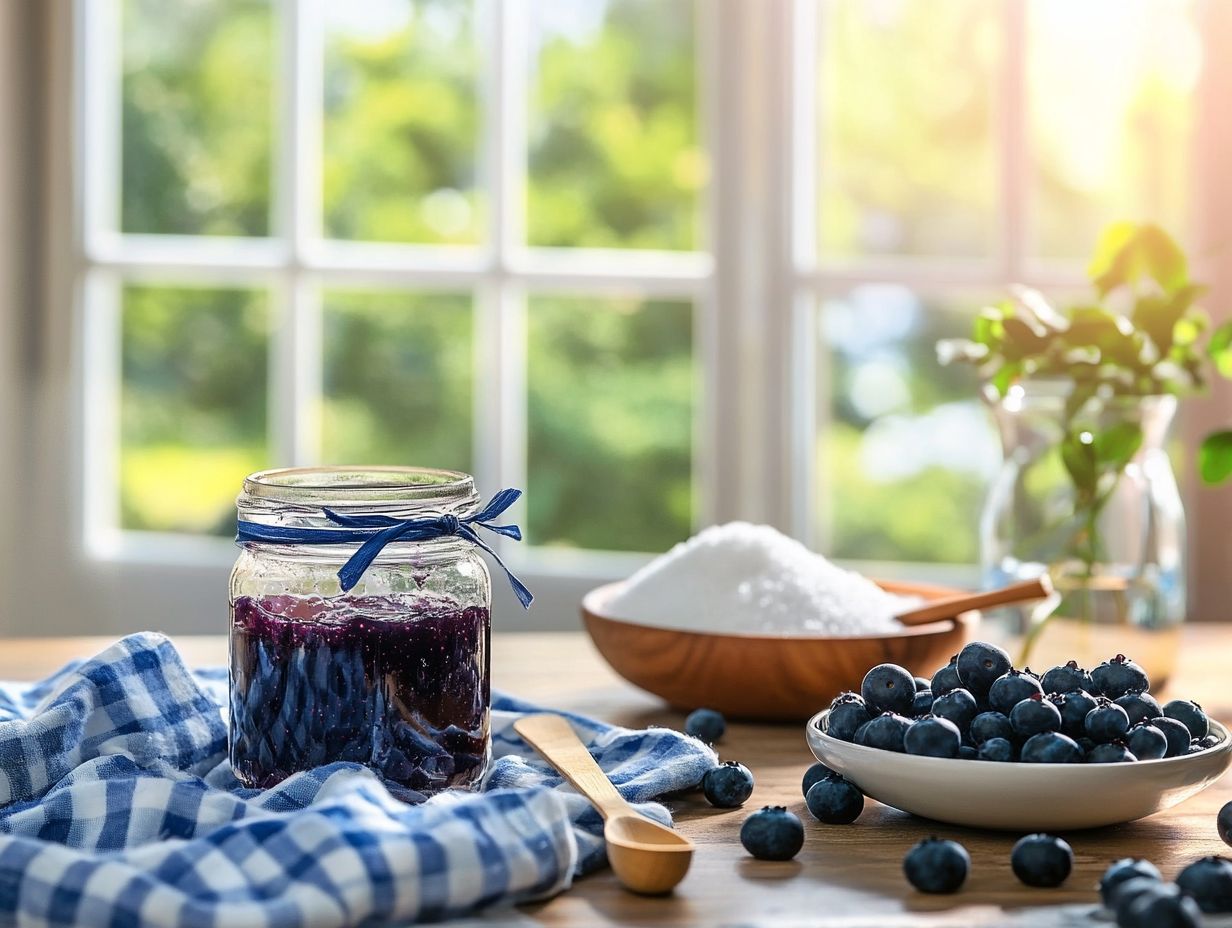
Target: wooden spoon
947,608
647,857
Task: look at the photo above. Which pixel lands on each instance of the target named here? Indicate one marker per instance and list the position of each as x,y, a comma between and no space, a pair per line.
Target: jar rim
338,485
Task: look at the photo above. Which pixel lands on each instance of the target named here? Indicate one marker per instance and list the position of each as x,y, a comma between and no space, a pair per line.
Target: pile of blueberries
980,707
1135,893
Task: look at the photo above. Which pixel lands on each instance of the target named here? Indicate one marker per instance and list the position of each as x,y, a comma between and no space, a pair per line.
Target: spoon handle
552,737
947,608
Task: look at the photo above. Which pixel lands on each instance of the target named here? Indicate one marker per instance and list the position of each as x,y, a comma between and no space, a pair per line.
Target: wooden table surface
845,875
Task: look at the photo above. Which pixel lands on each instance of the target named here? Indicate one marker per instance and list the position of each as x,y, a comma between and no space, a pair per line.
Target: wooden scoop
647,857
947,608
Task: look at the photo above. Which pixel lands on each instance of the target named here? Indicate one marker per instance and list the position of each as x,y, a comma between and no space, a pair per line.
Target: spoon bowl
647,857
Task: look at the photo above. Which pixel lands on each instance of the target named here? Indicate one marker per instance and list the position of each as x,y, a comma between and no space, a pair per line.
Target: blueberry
1074,707
1113,752
1033,716
1139,706
885,732
933,736
1176,733
997,749
772,833
1042,860
812,775
967,752
1124,895
923,704
1209,882
1223,822
1051,747
979,664
936,865
1119,676
1085,744
705,725
835,800
847,714
727,785
888,688
988,725
1166,907
959,706
1125,869
1147,742
1011,688
922,683
1067,678
1106,722
946,678
1189,714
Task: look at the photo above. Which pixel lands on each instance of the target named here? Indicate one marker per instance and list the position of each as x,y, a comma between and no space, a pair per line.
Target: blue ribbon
374,532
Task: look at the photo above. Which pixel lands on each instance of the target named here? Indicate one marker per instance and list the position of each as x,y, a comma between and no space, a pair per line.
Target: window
660,262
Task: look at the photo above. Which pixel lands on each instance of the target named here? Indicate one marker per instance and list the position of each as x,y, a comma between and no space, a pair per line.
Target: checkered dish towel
118,808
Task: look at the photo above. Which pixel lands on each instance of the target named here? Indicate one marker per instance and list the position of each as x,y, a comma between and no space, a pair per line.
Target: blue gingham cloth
118,808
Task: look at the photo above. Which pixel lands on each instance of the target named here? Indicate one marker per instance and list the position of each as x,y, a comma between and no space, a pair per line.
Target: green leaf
1127,252
1116,445
1111,333
1215,457
1078,456
1219,348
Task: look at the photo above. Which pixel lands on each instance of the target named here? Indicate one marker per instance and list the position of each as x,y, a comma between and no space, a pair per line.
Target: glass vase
1114,551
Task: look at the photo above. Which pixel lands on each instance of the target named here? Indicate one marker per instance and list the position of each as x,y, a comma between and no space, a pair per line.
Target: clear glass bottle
392,674
1116,555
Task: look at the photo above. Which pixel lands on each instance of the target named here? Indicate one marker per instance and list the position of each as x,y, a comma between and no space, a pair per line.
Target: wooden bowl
765,676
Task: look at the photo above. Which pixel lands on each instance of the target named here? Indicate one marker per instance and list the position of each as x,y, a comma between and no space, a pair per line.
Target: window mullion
1013,140
296,362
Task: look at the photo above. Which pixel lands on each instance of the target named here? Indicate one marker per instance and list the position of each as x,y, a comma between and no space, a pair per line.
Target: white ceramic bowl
1021,797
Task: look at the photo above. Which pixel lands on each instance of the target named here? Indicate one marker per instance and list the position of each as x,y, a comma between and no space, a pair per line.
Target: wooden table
845,875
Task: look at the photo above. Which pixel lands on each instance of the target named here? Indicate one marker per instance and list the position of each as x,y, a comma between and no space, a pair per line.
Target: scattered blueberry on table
937,865
705,725
1223,822
1164,907
1042,860
835,800
772,833
1065,716
1124,895
814,773
1118,872
1209,882
728,785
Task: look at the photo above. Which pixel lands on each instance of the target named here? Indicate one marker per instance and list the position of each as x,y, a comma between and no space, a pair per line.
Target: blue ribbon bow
376,531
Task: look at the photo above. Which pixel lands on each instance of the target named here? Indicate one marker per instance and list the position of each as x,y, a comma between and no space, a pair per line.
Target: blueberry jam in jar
393,673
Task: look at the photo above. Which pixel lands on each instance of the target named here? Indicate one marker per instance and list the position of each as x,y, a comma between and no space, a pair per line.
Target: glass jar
392,673
1112,538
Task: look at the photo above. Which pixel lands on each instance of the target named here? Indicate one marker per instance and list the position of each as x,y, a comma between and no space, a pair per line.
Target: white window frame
755,291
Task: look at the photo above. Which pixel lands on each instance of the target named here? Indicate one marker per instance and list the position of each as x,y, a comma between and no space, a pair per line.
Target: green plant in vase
1083,398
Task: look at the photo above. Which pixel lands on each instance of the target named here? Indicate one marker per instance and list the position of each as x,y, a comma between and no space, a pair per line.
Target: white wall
19,255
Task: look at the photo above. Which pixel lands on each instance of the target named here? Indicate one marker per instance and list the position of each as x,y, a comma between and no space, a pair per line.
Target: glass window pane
192,404
397,379
401,121
610,422
909,449
197,103
907,161
1111,87
615,155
